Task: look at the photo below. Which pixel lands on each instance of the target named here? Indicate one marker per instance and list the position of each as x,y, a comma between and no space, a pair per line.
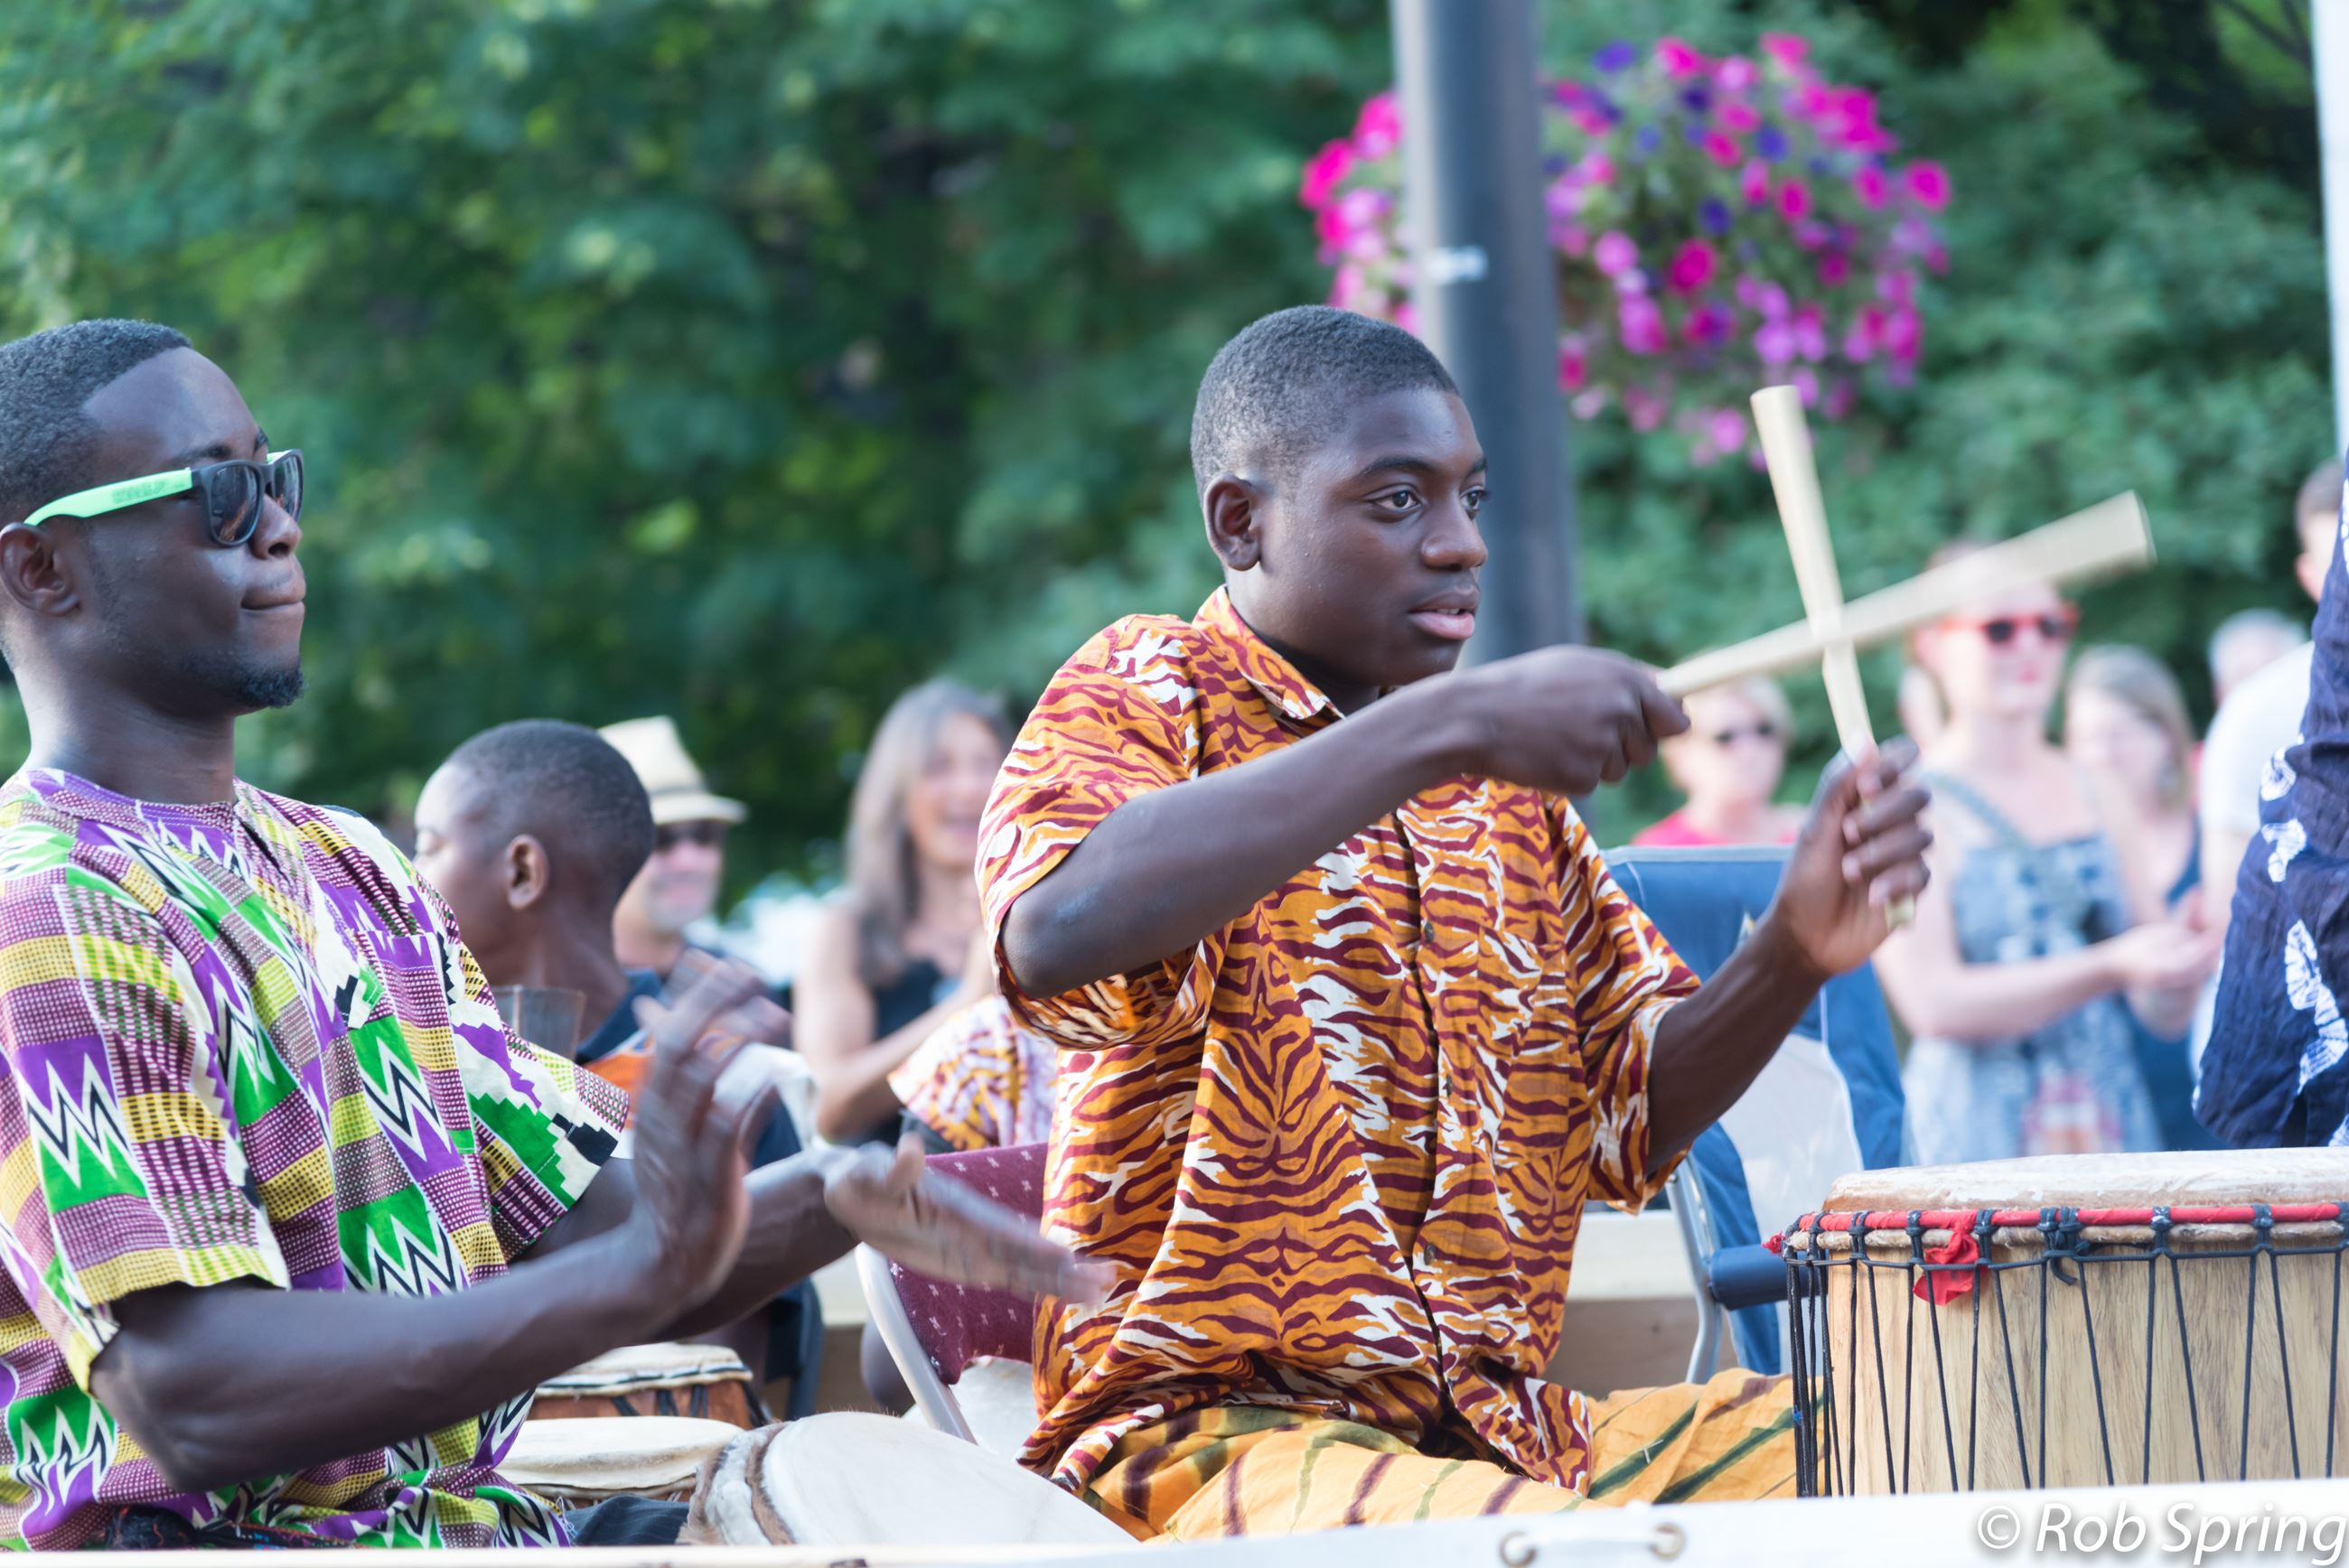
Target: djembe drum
579,1463
2072,1321
851,1479
703,1381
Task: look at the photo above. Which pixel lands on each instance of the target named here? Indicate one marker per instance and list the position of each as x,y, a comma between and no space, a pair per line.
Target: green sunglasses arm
114,497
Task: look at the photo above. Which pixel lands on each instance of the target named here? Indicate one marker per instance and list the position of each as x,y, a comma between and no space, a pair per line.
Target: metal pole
1487,295
2331,38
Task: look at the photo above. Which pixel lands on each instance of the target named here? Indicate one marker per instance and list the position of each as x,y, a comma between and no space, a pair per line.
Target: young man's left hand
1861,852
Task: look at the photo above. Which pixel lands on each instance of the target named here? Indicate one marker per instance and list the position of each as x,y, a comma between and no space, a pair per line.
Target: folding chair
1838,1104
935,1331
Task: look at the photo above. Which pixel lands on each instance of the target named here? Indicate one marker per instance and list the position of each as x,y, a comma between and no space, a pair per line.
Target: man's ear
1234,509
526,871
36,571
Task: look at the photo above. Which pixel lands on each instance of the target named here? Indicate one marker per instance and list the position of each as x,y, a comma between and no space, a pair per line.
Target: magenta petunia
1835,269
1794,199
1647,409
1785,48
1677,58
1741,117
1725,428
1590,122
1691,267
1722,148
1378,130
1735,74
1323,172
1573,366
1928,185
1642,324
1774,341
1708,325
1596,168
1754,185
1615,253
1868,182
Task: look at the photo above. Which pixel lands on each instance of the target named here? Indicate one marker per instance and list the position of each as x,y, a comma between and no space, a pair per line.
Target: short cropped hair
2278,630
570,789
46,440
1284,385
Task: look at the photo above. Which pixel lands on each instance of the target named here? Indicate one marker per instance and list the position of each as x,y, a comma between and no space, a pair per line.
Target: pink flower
1834,268
1811,235
1725,428
1677,58
1708,324
1406,317
1774,342
1810,330
1873,188
1898,286
1758,295
1928,185
1904,334
1378,130
1722,149
1690,268
1590,122
1785,48
1641,324
1807,382
1754,185
1735,74
1573,366
1615,254
1329,227
1323,172
1646,408
1596,168
1794,199
1570,238
1562,197
1856,107
1741,117
1866,337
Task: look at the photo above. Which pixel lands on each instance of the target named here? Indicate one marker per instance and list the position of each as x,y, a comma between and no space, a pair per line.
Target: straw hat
679,792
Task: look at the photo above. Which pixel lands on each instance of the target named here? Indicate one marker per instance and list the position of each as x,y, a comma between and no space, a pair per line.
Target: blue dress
2071,1086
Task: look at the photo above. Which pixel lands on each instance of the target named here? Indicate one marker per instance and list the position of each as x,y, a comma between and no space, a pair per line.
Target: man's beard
238,683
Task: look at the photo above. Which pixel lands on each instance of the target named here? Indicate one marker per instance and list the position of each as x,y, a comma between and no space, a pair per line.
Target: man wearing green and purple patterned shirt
291,1227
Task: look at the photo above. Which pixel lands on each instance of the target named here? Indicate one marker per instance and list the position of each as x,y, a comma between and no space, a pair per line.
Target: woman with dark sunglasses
2026,975
1729,762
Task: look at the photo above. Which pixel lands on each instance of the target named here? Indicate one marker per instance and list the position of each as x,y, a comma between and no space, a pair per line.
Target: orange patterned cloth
1338,1153
981,1081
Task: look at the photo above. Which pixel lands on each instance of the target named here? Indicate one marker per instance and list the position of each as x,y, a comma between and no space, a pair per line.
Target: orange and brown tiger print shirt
1338,1153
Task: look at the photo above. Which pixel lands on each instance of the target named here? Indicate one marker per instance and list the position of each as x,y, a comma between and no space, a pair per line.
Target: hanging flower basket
1719,225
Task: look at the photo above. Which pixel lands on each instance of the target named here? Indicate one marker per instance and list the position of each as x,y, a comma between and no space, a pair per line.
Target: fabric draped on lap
1249,1470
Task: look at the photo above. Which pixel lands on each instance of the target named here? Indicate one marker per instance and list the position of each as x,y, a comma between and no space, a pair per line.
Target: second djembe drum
2081,1320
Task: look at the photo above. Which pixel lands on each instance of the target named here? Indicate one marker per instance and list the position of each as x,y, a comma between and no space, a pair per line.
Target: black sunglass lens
231,501
1999,632
286,483
2055,628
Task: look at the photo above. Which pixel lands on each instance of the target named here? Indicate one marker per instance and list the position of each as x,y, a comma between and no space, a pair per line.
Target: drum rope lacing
2072,1247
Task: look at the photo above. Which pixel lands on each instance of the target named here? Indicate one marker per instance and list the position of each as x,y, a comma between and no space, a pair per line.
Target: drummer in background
2276,1071
295,1227
679,887
531,831
1353,1027
1729,762
2023,969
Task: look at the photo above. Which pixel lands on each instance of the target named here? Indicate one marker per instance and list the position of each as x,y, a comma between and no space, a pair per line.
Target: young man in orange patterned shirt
1353,1017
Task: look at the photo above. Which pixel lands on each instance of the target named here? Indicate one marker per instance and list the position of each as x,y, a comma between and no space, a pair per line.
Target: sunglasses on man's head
708,835
231,492
1998,631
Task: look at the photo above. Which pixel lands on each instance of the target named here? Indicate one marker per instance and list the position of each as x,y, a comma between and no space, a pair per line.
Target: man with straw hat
679,886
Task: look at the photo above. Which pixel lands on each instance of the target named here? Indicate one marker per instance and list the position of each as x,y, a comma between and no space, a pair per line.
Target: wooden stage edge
2214,1523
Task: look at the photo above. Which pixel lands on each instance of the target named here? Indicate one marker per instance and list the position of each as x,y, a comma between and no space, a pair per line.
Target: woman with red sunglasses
2024,974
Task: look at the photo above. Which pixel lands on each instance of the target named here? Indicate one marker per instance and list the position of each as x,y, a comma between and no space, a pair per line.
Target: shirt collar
622,1027
1266,670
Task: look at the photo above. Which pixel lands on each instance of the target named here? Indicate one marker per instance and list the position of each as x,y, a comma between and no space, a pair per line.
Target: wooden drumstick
2108,538
1795,479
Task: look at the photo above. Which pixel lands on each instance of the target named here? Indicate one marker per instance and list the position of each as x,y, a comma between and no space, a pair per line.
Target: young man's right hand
1564,719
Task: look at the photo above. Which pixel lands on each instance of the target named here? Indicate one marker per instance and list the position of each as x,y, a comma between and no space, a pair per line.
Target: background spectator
1728,762
899,952
2247,642
679,887
2022,973
2124,724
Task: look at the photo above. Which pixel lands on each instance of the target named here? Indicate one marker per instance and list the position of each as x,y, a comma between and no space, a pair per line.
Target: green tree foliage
749,359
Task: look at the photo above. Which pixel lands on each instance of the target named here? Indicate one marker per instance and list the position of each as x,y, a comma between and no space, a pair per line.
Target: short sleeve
1118,721
1627,979
962,1082
134,1066
543,1126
